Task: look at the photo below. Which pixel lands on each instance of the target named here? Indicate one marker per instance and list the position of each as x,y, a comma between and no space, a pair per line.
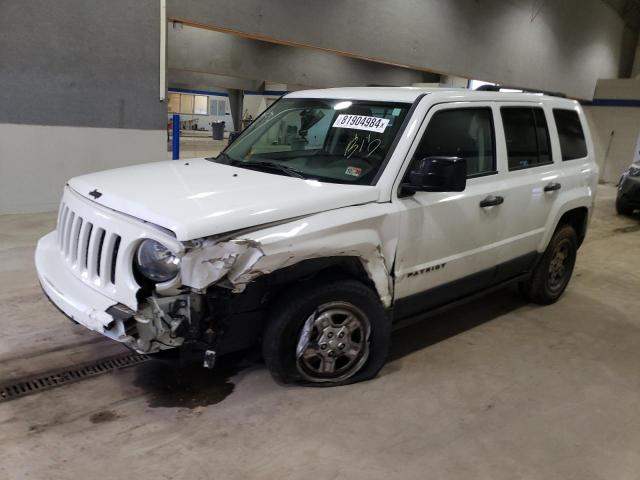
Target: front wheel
328,334
551,275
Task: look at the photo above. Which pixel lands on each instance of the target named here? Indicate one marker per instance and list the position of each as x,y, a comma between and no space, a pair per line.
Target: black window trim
555,123
532,108
399,134
493,138
482,174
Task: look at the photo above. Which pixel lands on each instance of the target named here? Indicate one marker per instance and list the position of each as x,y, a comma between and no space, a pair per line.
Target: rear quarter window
570,134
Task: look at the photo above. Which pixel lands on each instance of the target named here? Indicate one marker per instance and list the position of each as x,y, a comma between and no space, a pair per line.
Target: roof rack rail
498,88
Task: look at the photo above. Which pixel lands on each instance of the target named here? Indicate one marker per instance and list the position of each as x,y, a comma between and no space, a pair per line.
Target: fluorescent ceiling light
342,105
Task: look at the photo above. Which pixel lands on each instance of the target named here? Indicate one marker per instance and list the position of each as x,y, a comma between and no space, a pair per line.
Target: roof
395,94
409,94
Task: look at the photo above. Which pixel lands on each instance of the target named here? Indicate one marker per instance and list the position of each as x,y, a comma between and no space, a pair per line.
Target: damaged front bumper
152,328
79,302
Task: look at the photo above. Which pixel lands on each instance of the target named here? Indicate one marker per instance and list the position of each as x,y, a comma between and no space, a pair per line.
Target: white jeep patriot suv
337,214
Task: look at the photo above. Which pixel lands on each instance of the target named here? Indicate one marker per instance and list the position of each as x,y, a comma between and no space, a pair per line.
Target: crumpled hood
196,198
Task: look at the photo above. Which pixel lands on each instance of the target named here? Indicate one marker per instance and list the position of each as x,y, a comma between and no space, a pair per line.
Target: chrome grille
89,248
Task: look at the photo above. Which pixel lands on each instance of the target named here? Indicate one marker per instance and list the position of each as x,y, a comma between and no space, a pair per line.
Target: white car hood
196,198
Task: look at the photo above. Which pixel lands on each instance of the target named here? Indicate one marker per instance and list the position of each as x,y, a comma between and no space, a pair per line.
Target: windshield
328,140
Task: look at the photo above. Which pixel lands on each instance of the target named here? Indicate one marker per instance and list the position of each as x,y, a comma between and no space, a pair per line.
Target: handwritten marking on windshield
362,145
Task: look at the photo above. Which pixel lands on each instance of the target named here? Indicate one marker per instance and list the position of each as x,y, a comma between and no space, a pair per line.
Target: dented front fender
212,261
360,231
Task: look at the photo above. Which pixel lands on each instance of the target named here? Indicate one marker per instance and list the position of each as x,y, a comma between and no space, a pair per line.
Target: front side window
461,132
527,137
570,133
328,140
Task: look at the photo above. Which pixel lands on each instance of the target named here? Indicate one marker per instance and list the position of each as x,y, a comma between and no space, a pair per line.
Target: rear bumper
78,301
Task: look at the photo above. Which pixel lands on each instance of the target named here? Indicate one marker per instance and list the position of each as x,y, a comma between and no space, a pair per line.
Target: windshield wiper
268,165
224,156
292,172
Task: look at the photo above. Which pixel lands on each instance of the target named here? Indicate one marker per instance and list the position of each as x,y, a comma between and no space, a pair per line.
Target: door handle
552,187
491,201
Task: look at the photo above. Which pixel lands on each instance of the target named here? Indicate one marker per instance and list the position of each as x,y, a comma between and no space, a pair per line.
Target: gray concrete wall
615,129
635,70
89,63
79,92
630,40
564,45
197,51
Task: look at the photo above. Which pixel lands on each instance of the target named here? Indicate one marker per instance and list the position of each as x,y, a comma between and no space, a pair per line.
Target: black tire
297,310
622,208
551,275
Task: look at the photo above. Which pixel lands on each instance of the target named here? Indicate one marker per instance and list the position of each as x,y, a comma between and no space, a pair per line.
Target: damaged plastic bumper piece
89,308
150,330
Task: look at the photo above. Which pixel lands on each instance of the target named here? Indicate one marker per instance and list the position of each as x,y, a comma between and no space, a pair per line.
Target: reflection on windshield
327,140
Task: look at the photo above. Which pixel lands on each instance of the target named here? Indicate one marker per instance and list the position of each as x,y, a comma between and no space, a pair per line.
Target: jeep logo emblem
95,193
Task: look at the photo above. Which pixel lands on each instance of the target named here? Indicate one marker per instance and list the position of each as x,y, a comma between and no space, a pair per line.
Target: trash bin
217,130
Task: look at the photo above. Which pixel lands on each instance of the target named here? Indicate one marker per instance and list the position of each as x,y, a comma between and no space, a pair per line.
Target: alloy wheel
333,343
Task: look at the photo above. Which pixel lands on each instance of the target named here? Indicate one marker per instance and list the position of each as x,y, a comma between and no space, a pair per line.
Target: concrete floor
497,389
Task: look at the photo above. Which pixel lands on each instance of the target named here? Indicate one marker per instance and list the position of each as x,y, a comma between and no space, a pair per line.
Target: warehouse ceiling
629,10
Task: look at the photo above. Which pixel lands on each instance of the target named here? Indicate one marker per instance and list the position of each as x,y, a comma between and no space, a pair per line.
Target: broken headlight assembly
156,262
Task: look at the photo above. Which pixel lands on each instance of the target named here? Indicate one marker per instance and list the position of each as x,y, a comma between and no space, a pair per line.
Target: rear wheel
329,334
553,272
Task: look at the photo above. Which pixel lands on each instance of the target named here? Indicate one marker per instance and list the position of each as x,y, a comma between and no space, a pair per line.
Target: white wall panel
36,161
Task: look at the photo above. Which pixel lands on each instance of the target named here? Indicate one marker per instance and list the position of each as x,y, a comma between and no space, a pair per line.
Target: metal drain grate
48,380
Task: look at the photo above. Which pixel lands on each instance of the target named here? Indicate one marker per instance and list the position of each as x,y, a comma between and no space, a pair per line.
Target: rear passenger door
532,182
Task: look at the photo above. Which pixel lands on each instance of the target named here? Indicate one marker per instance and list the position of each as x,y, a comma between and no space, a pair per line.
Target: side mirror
437,174
233,136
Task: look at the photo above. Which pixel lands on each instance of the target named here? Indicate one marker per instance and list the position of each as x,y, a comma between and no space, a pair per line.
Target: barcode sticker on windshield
361,122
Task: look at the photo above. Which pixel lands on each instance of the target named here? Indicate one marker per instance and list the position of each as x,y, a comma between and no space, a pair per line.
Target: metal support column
236,100
175,140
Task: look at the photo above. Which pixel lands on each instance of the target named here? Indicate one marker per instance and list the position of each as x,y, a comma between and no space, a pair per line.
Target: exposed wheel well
242,316
326,267
577,218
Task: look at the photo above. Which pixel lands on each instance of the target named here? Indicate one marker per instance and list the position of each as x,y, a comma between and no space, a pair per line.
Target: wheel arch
578,218
313,269
574,211
243,315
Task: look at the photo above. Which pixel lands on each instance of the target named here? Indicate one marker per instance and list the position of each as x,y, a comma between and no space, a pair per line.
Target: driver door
450,244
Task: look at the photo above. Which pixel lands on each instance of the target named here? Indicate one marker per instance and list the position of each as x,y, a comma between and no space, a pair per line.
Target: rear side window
461,132
570,133
527,137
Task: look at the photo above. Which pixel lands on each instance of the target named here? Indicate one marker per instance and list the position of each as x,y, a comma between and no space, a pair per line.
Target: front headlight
156,262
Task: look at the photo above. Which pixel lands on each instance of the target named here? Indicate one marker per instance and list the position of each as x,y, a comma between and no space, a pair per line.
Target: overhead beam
576,41
220,54
210,81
